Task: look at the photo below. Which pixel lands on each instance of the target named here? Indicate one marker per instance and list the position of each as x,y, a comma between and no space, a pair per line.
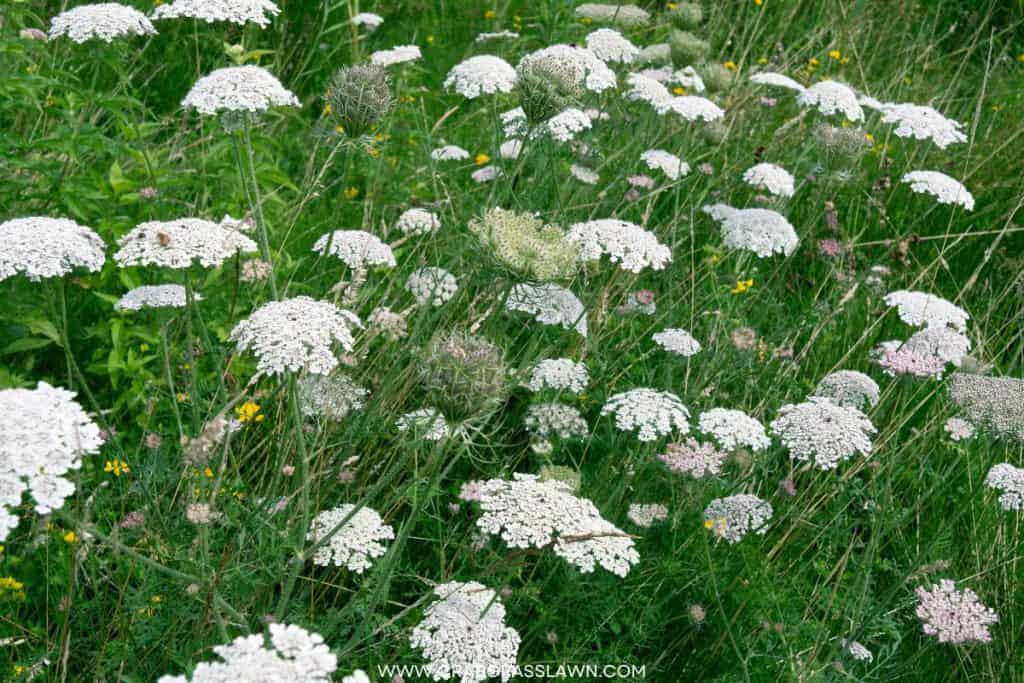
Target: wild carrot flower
549,304
677,341
356,543
560,374
733,517
762,231
177,244
666,162
246,88
1009,480
775,179
945,189
830,98
646,515
995,402
818,430
239,12
625,243
431,286
481,75
103,21
41,247
154,296
953,616
693,458
651,413
733,429
849,388
922,309
611,46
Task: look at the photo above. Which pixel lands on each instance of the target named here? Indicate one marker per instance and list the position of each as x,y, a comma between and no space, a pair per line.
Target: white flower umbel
561,374
481,75
646,514
368,19
400,54
921,309
646,89
733,429
41,247
463,635
666,162
246,88
650,412
954,616
925,354
579,64
179,243
418,222
677,340
585,175
240,12
762,231
449,153
775,179
777,80
356,544
611,46
1009,480
830,98
294,655
946,190
733,517
849,388
691,108
625,243
527,512
495,35
923,123
856,650
958,429
513,122
331,396
556,420
549,304
104,21
356,248
486,174
625,15
697,460
427,423
820,431
431,286
43,435
296,334
564,126
154,296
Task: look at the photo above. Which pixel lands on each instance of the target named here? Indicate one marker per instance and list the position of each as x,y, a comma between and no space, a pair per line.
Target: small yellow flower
143,347
813,61
70,537
327,109
351,192
373,152
340,130
180,397
586,21
1020,58
844,124
481,159
758,2
116,467
762,60
248,411
430,39
156,599
9,583
715,259
869,137
671,5
708,523
844,60
490,14
742,286
730,65
208,473
835,54
678,90
407,99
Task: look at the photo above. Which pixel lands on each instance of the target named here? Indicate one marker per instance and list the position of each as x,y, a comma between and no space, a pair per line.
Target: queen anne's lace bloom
627,16
646,514
772,178
688,78
564,126
691,108
666,162
332,396
579,65
179,243
549,304
652,413
646,89
238,12
296,334
777,80
945,189
611,46
428,423
295,655
926,353
954,616
585,175
677,340
734,517
923,309
1009,480
849,388
418,222
356,248
922,123
561,374
958,429
103,21
356,544
449,153
433,286
733,429
818,430
762,231
368,19
481,75
154,296
495,35
548,420
463,635
42,247
856,650
995,402
247,88
831,97
43,435
396,55
625,243
530,513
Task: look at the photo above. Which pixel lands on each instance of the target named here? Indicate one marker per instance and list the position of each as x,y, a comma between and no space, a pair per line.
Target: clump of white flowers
830,98
775,179
625,243
695,459
691,108
585,175
646,514
856,650
433,286
331,396
678,341
954,616
428,423
154,296
762,231
102,21
651,412
820,431
958,429
922,309
777,80
239,12
43,435
495,35
564,126
849,388
294,655
946,190
579,65
179,243
666,162
733,517
418,221
733,429
647,89
611,46
995,402
296,334
356,248
449,153
561,374
400,54
368,19
549,304
627,16
526,244
923,123
41,247
527,512
555,420
463,635
1009,480
355,544
925,354
481,75
247,88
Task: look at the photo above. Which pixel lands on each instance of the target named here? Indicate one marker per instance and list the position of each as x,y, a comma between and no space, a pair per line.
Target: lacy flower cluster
925,354
733,429
103,21
692,458
609,45
560,374
775,179
481,75
651,413
995,402
954,616
921,309
433,286
177,244
41,247
849,388
239,12
822,432
525,244
831,98
247,88
733,517
418,221
580,65
672,166
427,423
549,304
555,420
1009,480
677,340
647,514
153,296
331,396
939,185
355,544
356,249
625,243
762,231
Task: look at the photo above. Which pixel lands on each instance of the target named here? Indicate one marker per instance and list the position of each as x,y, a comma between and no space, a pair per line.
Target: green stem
252,191
170,381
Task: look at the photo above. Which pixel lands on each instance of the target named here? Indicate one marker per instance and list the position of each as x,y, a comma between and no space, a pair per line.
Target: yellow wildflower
730,65
490,14
762,60
351,192
813,61
835,54
742,286
70,537
208,473
249,411
116,467
678,90
481,159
